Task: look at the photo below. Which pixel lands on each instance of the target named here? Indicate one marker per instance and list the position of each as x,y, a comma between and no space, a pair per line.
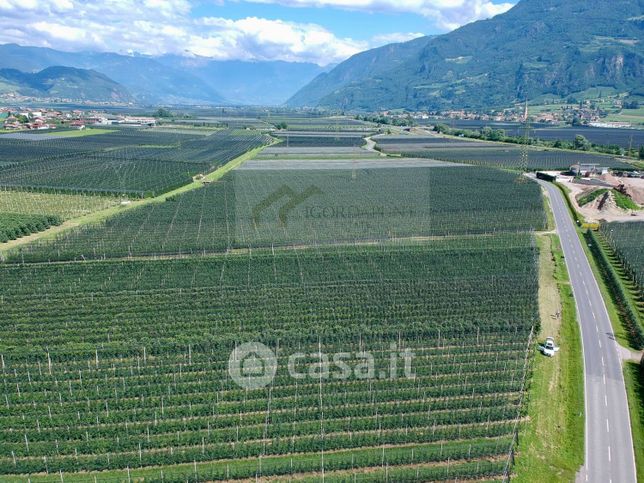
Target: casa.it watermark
254,365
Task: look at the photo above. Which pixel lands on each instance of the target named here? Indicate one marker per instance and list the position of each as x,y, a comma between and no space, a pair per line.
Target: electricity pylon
525,152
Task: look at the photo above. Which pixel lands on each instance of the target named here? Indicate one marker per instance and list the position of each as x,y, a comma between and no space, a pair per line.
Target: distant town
593,113
16,119
570,111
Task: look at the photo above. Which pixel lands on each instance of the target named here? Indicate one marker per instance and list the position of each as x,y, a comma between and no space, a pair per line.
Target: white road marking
575,255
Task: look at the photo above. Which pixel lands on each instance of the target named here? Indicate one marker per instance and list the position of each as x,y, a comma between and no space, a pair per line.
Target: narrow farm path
371,146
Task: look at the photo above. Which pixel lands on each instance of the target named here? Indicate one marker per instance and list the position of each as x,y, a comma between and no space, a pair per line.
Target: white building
588,169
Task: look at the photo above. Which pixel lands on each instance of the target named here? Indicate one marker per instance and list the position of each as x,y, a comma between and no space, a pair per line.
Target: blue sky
319,31
358,24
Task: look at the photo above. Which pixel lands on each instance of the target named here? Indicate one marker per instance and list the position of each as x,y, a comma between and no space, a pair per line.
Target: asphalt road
609,446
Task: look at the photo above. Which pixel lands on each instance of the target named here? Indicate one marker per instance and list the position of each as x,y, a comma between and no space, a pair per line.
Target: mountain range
538,47
63,83
174,79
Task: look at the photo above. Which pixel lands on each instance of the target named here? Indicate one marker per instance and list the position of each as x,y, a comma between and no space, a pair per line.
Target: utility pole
525,153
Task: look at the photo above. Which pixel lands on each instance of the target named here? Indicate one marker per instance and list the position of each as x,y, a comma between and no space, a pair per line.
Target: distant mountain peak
537,47
174,79
61,82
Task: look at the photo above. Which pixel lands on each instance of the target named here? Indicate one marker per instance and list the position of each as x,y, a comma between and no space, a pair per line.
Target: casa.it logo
252,365
293,199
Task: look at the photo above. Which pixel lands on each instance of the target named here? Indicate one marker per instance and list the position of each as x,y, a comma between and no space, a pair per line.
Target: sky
318,31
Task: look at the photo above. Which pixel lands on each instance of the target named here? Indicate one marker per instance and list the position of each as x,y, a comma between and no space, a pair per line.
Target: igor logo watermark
293,199
254,365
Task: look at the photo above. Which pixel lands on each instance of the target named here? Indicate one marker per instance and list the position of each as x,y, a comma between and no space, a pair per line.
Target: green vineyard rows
139,164
345,206
108,366
627,239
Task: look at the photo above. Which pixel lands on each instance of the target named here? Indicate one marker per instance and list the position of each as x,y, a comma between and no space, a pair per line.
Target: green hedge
13,226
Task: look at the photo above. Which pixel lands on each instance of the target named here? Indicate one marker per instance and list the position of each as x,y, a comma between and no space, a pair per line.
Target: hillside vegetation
538,47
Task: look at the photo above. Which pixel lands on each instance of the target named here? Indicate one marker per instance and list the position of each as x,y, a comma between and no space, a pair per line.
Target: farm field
261,118
624,138
417,280
132,162
494,154
233,122
281,152
49,135
65,206
397,143
511,158
633,116
627,240
354,203
14,151
148,386
343,164
596,135
296,139
13,226
320,123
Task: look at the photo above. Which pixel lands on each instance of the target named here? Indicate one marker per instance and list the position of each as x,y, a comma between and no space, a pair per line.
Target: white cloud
59,31
8,7
448,14
264,39
156,27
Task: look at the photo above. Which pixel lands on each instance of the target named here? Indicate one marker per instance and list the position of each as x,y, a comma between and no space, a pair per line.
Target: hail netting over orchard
273,203
491,154
124,364
118,367
627,239
133,162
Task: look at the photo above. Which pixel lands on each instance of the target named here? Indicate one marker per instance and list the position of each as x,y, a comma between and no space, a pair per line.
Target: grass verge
634,377
632,372
550,217
551,443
